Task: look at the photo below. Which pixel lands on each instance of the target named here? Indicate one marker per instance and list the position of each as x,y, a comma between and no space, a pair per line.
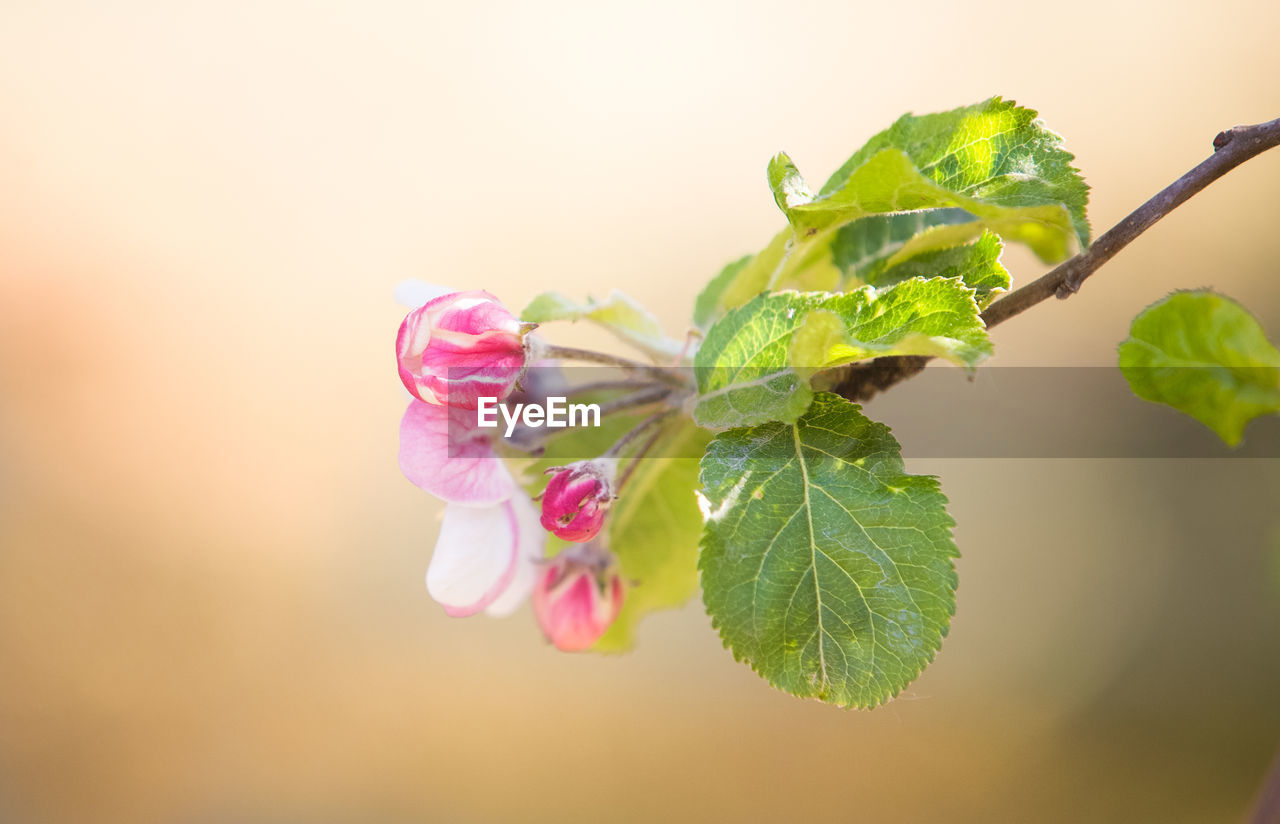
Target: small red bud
576,500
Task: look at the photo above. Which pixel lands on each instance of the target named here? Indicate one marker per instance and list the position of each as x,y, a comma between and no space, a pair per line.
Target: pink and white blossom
577,598
486,558
443,452
460,346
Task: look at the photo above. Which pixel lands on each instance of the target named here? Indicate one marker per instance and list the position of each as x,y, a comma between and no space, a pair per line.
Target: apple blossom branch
1230,148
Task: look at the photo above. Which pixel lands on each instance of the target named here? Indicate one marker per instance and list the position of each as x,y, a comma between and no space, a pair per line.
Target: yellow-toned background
211,599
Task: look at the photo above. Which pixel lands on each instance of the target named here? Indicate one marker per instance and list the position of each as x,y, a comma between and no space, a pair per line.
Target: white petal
530,551
475,558
414,293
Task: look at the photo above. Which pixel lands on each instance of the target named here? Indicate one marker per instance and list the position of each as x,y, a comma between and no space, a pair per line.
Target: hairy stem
641,398
639,429
640,453
570,353
608,386
1231,148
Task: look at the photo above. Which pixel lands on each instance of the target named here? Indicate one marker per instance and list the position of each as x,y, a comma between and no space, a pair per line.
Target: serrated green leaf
1203,354
618,313
803,267
825,567
751,369
976,264
890,182
754,275
864,247
654,529
926,183
995,151
706,306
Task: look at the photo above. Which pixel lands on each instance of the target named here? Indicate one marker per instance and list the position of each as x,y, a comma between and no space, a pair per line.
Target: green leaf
707,305
863,247
1205,355
890,182
926,183
995,152
754,275
618,313
825,567
755,363
804,267
976,264
653,529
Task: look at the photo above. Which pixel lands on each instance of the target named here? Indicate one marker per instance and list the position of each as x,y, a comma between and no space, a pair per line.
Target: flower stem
569,353
636,458
607,386
645,396
637,431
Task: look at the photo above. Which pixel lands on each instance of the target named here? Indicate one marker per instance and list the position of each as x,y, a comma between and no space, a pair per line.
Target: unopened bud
459,347
576,499
578,597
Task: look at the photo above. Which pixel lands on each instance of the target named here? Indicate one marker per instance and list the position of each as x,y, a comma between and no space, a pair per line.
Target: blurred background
211,597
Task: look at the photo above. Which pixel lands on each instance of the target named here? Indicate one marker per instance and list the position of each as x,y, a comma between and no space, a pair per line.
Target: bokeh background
211,598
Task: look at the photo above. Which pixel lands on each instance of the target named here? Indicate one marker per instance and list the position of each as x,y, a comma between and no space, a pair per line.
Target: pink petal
458,347
575,600
442,453
473,312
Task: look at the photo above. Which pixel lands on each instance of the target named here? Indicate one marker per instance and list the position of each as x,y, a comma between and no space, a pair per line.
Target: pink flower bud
459,347
578,597
576,500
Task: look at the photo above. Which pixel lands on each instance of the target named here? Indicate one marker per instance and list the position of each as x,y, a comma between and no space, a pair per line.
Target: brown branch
1230,149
